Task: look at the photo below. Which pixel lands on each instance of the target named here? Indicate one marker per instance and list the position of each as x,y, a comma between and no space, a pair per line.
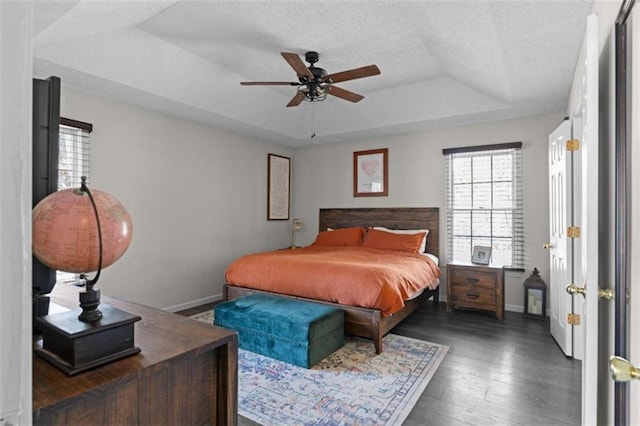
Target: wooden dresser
186,373
475,286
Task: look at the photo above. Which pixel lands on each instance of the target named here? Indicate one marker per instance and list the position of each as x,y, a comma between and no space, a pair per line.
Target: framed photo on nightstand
481,255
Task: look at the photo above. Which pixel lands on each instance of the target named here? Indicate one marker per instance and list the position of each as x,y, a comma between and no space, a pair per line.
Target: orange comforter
355,276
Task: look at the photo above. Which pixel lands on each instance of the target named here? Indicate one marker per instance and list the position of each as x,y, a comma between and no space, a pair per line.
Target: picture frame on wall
278,187
370,173
481,255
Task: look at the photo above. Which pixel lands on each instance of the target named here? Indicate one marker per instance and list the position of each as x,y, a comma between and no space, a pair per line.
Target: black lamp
535,296
68,235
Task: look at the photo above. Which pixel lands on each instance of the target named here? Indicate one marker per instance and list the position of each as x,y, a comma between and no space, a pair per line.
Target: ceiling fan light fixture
316,98
314,93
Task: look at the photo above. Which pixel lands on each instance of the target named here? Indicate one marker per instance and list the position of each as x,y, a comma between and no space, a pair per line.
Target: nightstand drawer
473,295
464,277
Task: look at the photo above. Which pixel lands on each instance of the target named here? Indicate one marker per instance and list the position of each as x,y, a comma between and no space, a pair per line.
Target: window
73,162
484,202
73,155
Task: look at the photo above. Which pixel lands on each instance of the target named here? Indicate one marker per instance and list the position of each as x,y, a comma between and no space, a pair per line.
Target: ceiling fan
314,84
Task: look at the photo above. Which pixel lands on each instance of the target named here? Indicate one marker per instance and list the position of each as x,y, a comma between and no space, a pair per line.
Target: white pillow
423,244
432,257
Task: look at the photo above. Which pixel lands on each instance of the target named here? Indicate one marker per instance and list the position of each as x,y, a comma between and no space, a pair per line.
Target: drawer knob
472,296
472,280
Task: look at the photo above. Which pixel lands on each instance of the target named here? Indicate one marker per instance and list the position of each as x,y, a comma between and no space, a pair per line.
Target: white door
577,303
560,251
587,270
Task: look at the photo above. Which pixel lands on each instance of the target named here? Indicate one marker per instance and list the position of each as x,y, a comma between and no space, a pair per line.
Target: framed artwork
370,173
481,255
278,187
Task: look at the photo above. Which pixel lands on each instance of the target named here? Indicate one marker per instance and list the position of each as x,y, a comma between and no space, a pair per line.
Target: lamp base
74,346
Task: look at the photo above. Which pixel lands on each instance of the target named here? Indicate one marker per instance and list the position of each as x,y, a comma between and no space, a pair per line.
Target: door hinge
573,145
573,232
573,319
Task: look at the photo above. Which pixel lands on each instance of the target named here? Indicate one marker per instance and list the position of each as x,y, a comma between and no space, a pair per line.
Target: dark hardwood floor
496,372
508,372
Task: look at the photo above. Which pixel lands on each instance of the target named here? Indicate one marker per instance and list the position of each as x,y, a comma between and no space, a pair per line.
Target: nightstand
475,286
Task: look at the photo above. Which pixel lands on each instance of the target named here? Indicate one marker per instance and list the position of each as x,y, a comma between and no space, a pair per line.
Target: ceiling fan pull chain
313,120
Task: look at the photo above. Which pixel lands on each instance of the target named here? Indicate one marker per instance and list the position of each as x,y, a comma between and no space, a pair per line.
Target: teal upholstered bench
290,330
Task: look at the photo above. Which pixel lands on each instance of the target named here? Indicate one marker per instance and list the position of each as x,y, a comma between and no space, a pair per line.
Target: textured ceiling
443,63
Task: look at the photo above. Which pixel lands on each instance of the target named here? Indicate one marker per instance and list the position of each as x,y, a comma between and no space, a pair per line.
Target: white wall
16,20
323,178
196,195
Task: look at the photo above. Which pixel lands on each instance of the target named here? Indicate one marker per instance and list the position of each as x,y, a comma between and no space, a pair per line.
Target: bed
360,321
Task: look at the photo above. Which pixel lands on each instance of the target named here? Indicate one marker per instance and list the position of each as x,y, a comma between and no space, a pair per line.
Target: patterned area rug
353,386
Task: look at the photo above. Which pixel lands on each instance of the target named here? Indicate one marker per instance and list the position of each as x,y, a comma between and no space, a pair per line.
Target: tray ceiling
443,63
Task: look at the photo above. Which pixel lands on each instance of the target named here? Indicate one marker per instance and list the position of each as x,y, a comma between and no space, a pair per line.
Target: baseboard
507,307
193,303
514,308
511,308
520,309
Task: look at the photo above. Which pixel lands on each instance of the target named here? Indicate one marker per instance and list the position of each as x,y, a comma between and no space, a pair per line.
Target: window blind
73,162
484,202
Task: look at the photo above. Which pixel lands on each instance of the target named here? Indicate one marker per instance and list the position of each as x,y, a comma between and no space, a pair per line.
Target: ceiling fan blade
268,83
361,72
297,65
344,94
296,100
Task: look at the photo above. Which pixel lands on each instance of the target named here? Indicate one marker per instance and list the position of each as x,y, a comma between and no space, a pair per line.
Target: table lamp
80,231
296,225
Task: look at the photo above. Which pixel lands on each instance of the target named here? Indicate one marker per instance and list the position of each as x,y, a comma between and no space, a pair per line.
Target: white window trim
517,237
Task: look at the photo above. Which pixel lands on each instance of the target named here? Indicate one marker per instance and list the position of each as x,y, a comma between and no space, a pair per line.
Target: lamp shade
65,230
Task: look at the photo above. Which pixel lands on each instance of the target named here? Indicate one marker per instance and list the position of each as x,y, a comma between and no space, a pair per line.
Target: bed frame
364,322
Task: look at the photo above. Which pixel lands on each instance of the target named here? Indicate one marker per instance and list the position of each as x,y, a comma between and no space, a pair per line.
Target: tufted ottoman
290,330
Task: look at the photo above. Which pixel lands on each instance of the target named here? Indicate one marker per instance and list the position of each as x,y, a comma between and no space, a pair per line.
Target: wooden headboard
392,218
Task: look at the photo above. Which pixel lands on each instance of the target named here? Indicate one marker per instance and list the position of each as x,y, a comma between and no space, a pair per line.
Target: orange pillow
342,237
390,241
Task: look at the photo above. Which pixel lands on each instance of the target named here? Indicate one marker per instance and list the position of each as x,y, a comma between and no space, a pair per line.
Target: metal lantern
535,296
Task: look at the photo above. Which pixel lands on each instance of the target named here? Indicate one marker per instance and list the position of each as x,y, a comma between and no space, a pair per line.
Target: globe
65,231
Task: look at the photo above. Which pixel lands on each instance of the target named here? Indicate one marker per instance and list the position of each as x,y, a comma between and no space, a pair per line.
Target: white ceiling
443,63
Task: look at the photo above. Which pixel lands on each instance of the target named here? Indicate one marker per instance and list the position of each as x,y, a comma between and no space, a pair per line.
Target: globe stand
79,340
75,346
89,302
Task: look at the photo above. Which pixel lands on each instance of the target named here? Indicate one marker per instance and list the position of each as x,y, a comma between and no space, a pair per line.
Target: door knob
622,370
547,246
574,289
607,294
